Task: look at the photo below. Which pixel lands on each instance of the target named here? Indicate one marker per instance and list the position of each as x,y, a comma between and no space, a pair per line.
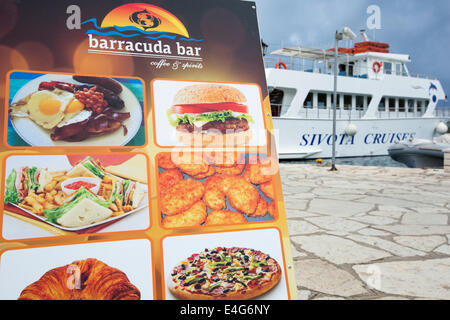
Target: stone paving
368,232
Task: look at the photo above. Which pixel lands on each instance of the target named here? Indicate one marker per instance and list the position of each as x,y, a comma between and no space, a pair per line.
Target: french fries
53,196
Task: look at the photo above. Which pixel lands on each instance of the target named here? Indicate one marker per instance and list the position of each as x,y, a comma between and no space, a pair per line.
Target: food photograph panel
207,114
59,195
71,110
239,265
90,271
198,190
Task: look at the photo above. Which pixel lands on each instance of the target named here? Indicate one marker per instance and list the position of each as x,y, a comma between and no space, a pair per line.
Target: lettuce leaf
207,117
33,184
11,195
53,215
95,170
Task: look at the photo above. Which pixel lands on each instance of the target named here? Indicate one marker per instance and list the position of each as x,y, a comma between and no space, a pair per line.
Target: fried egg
76,118
74,108
47,108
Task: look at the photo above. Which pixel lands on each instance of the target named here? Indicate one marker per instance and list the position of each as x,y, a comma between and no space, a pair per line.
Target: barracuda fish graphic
145,19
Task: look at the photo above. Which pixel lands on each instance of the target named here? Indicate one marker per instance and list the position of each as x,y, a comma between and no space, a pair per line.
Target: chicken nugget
260,170
194,169
273,211
165,161
232,171
261,209
192,217
181,196
168,179
228,159
214,197
268,189
191,163
219,217
211,171
241,194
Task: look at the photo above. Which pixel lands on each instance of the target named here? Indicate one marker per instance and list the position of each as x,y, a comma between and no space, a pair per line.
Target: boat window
392,104
411,106
322,100
398,69
338,104
419,106
404,71
347,102
308,101
401,105
359,103
382,105
276,102
369,100
350,69
388,68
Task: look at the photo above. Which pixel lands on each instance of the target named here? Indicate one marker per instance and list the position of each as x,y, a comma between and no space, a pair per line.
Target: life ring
281,64
377,67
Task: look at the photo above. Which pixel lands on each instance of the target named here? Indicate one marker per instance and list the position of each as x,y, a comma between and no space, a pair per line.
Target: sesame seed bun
208,93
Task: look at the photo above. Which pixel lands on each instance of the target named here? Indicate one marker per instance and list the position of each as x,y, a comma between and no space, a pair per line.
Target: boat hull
415,157
312,138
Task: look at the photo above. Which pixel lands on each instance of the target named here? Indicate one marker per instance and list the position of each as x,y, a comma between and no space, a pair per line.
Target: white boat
379,101
420,153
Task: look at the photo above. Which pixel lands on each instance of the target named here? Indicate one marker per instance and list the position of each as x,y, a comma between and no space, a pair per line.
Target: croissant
88,279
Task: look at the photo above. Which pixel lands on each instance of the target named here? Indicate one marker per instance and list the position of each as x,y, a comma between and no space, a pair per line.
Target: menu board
138,157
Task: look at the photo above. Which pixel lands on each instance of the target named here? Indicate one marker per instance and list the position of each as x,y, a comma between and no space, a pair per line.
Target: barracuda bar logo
139,29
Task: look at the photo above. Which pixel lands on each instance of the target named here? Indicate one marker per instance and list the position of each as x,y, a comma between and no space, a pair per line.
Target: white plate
61,163
35,135
145,205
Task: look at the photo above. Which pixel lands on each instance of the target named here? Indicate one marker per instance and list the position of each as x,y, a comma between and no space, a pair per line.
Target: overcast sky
415,27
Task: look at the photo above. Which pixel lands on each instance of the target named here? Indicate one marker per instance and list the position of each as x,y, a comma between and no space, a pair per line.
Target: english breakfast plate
37,135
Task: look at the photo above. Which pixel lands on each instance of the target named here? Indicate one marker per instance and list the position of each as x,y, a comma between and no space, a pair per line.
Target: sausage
107,83
112,98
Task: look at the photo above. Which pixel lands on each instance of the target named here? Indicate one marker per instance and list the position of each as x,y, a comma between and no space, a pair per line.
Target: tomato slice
209,107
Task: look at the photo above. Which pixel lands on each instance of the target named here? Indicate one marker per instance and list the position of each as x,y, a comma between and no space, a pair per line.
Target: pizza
225,274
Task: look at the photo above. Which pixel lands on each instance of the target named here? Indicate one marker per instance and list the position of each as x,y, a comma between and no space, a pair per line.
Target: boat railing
293,64
325,113
443,112
312,66
422,76
304,65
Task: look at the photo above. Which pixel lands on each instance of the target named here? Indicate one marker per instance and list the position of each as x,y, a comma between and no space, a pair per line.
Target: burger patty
232,124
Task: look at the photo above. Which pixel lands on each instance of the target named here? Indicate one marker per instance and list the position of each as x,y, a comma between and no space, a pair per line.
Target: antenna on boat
364,35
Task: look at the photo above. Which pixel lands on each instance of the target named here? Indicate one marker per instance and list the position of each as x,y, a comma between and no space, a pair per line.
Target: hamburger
211,115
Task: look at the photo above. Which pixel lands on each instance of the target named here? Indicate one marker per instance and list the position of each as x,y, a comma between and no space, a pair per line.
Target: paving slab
445,249
299,227
336,223
426,279
339,208
424,219
321,276
338,250
387,245
425,243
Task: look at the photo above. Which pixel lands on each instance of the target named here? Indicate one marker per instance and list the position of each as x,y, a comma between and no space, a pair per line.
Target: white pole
333,162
